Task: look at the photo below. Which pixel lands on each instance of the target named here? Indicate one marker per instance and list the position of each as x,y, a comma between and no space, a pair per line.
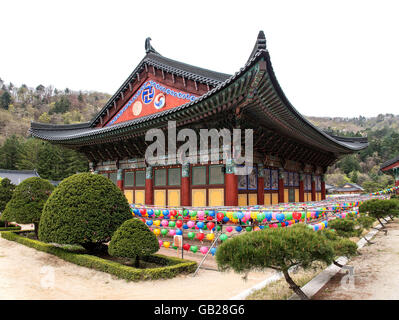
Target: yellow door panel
286,197
129,196
198,197
242,199
268,200
160,198
174,198
139,196
274,198
216,197
296,195
253,199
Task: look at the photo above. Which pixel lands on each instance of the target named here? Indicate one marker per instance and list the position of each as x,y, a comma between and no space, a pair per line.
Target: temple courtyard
30,274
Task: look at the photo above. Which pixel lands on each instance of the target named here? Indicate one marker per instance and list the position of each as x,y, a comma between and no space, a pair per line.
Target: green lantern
191,235
248,229
194,249
172,224
164,232
223,237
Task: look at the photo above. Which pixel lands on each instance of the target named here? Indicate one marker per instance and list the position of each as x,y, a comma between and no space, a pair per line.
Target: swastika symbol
148,94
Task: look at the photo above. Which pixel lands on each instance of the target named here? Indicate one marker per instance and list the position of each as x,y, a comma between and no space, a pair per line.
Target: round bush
85,209
27,201
6,191
133,240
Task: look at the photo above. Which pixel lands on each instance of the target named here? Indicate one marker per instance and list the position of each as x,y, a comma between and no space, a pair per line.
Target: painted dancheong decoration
152,97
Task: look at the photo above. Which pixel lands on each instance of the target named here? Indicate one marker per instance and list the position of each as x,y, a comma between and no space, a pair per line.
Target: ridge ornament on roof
148,47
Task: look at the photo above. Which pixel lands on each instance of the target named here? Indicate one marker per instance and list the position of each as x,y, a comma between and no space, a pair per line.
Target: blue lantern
238,229
268,216
200,225
149,222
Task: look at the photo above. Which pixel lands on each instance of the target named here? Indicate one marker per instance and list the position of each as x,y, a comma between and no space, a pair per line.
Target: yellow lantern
166,244
210,236
157,223
157,232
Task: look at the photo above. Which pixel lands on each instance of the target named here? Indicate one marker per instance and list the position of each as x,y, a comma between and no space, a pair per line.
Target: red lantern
220,216
209,218
296,215
173,213
143,212
200,236
186,246
210,225
179,223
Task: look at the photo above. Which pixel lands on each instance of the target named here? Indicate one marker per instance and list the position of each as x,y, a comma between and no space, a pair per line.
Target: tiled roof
17,176
389,162
290,121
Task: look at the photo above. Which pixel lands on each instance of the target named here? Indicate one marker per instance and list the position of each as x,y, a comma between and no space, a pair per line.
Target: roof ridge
260,44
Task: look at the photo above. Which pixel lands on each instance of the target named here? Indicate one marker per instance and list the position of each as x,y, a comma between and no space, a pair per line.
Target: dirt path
376,271
26,273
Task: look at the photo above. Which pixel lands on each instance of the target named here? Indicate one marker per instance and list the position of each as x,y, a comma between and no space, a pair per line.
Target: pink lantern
165,223
229,229
172,232
201,215
204,250
160,243
190,223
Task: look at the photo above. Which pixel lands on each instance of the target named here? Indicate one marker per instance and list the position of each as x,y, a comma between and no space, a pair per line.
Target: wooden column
313,188
185,185
301,187
396,174
261,183
281,186
149,186
119,179
323,188
231,184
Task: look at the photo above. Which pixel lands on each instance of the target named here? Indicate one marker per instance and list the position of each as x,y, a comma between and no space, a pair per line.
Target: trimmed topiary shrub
27,201
85,209
278,249
379,209
345,227
133,240
6,191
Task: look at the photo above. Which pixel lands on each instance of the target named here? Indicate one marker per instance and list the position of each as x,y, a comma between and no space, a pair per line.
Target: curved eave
390,164
344,144
297,124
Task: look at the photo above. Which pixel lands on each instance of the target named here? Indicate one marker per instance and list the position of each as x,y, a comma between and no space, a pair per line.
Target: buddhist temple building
290,155
392,166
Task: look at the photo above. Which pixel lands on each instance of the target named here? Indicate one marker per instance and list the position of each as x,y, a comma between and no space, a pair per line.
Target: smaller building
348,188
392,166
17,176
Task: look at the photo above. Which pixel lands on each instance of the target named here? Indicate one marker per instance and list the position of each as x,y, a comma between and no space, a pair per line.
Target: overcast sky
332,58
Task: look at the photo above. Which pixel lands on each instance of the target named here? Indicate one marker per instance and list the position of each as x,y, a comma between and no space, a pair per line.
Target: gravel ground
376,271
26,273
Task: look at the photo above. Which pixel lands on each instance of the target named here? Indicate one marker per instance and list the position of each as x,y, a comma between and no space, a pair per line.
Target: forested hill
21,105
363,168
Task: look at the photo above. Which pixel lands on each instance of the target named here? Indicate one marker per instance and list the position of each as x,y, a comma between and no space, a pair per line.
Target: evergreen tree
5,100
10,153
